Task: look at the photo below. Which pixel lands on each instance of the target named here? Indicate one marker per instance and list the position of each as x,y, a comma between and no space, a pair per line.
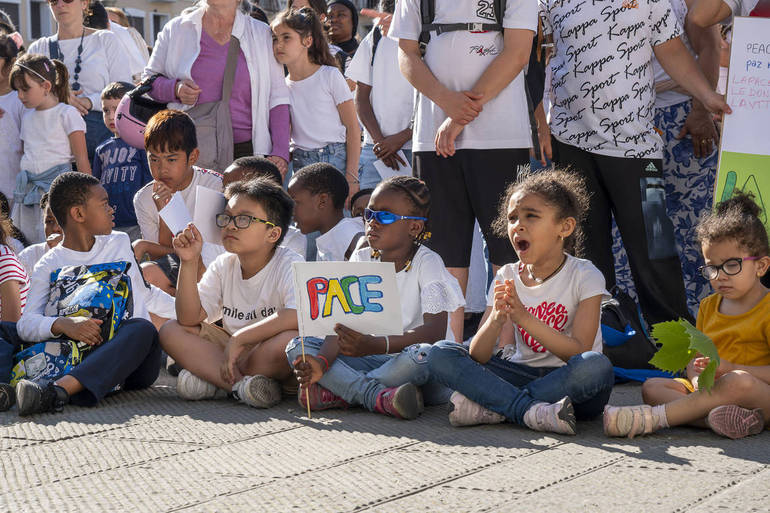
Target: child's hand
309,371
500,309
229,369
353,343
188,244
161,194
700,363
81,329
516,309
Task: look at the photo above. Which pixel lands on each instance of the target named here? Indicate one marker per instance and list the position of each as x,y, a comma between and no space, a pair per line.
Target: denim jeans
359,380
96,132
367,173
510,389
9,345
333,153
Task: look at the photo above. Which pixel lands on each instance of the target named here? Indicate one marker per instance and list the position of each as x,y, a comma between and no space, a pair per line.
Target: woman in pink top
190,55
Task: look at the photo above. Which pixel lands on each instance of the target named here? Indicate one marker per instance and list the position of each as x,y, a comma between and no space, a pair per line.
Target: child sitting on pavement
319,192
131,358
53,234
737,318
250,288
172,150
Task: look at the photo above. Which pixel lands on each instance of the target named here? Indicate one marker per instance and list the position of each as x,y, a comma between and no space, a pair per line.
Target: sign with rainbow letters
360,295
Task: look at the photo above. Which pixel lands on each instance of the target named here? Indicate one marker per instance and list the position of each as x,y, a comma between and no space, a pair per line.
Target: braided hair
418,195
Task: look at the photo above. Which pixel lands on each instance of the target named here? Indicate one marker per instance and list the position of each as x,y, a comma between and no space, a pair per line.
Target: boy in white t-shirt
384,101
471,127
53,235
319,192
172,150
131,359
250,288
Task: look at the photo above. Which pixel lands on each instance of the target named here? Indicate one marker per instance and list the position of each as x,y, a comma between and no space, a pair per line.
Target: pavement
150,451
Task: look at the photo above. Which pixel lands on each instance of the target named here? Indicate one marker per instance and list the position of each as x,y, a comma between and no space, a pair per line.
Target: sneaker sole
731,422
406,401
265,392
23,398
7,397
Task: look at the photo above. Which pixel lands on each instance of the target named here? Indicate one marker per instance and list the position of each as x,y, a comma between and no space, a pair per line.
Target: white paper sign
175,214
385,172
208,203
360,295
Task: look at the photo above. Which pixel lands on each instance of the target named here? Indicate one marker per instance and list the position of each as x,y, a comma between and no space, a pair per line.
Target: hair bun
742,202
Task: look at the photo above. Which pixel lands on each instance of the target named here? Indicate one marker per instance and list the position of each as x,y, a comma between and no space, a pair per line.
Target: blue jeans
367,173
333,153
510,389
96,132
359,380
9,345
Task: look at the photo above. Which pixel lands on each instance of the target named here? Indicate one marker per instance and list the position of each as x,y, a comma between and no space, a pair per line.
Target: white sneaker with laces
192,388
258,391
464,412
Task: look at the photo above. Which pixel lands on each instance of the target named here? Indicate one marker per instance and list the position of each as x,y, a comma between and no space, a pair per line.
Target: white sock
659,414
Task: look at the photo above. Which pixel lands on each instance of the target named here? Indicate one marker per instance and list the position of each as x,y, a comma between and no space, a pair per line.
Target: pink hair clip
16,38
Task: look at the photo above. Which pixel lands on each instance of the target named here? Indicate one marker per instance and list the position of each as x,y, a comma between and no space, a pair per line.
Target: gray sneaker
258,391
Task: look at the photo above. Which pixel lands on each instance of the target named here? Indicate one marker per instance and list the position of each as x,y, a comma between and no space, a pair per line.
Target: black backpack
535,68
625,338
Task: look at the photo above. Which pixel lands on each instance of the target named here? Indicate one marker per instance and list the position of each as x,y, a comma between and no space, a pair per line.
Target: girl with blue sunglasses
387,374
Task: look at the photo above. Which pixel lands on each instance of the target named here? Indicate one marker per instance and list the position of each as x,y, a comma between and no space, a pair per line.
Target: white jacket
178,46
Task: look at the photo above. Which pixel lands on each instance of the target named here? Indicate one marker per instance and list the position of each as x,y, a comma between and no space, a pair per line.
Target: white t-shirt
426,288
31,254
669,98
57,123
333,244
147,212
10,142
458,59
103,62
136,61
296,241
225,295
602,73
315,120
554,302
34,326
392,96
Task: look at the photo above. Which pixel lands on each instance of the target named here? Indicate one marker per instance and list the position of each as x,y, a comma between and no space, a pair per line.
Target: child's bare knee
736,384
652,387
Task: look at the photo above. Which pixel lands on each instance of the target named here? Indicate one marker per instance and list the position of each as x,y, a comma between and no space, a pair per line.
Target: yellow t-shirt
742,339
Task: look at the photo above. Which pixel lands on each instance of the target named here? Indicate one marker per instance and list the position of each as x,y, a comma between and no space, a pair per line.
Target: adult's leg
598,221
636,191
451,364
113,362
689,183
452,230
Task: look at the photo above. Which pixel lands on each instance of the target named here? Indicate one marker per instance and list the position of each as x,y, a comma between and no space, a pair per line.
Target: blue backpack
99,291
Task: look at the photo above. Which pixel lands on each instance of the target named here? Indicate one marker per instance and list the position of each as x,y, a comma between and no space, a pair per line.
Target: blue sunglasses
385,217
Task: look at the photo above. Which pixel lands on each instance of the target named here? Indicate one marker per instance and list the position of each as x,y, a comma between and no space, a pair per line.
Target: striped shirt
11,269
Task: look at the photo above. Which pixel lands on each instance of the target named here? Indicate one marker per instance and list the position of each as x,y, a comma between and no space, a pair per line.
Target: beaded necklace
78,60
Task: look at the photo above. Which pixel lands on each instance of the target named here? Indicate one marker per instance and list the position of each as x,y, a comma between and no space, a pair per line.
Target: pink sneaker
734,422
404,402
320,398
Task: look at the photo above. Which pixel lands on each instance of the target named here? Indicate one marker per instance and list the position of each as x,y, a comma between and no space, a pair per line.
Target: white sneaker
192,388
464,412
558,417
258,391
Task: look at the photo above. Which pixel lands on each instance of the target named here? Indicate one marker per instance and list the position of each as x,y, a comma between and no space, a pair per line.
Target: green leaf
674,353
681,342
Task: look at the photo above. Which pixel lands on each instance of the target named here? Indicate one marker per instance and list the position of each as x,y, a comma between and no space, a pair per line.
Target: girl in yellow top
737,318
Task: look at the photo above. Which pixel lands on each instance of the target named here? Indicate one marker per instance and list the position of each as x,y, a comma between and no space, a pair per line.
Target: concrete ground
150,451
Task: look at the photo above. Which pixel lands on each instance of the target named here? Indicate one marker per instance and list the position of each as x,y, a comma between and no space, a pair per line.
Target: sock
659,414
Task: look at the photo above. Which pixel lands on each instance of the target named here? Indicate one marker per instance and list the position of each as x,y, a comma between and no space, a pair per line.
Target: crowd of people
508,157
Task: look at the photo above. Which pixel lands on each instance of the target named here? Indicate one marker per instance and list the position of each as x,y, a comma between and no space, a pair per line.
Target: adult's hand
83,105
187,91
701,127
387,151
463,107
445,137
280,163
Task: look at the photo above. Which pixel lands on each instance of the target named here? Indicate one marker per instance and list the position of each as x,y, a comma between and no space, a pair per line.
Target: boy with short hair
319,192
250,288
172,150
121,168
131,358
53,234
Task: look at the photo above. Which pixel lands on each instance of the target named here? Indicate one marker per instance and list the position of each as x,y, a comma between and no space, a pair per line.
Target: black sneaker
7,396
36,398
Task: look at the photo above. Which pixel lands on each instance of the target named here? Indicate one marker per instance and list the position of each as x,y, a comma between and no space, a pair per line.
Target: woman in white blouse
94,58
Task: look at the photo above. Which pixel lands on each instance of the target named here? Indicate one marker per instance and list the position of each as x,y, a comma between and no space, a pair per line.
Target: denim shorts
367,173
333,153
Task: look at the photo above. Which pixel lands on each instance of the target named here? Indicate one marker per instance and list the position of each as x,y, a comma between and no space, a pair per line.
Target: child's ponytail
305,22
739,219
61,84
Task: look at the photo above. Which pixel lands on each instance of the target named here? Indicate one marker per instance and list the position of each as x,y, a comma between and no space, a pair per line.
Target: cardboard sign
744,157
360,295
208,203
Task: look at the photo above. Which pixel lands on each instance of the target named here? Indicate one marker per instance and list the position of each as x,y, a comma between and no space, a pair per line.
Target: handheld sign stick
307,390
